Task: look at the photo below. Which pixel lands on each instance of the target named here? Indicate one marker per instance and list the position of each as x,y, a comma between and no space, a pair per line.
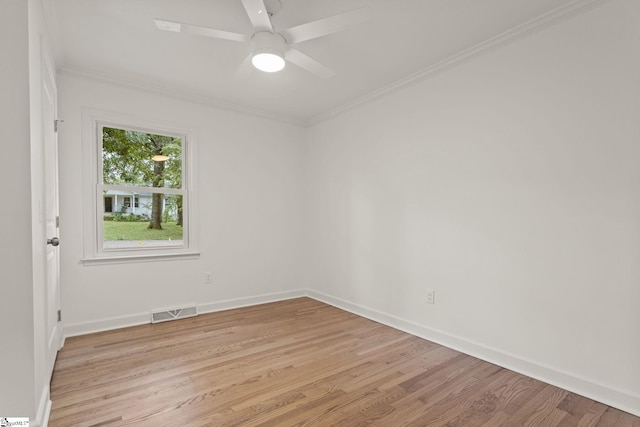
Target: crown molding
534,25
173,92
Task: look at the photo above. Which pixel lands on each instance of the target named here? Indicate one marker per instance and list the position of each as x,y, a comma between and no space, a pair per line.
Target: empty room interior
337,212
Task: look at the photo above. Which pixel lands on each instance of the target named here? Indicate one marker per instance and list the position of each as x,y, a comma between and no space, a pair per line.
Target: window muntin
146,193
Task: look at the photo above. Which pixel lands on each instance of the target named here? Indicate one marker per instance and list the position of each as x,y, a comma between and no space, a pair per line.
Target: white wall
510,185
250,201
24,390
16,291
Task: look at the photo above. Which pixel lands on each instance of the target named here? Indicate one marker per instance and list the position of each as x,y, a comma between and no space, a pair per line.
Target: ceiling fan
272,49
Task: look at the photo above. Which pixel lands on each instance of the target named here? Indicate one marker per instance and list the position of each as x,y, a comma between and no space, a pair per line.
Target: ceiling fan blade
179,27
303,61
244,69
322,27
258,15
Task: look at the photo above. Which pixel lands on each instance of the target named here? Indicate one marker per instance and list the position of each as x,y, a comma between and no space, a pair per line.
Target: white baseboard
83,328
622,400
44,409
108,324
249,301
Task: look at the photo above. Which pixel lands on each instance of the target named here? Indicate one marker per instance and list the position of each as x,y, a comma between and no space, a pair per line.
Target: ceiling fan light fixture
268,51
267,62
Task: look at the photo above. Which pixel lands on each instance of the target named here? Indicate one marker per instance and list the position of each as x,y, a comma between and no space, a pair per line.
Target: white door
52,303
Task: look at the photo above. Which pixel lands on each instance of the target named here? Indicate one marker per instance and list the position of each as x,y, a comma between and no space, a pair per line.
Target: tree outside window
146,168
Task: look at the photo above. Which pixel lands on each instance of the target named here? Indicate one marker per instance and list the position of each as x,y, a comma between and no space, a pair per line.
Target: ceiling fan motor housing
267,42
268,51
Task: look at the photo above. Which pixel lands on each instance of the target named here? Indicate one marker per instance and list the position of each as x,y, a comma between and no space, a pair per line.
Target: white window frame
94,252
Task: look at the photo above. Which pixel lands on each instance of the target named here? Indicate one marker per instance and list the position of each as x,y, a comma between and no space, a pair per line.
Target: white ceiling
117,40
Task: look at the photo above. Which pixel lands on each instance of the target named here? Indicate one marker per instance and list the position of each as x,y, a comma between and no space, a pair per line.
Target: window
140,188
150,164
108,204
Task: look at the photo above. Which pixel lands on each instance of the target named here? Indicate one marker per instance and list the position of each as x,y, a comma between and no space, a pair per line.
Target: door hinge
59,315
56,123
58,221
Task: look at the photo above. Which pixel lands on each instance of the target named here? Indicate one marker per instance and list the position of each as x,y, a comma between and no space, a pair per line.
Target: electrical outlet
207,277
431,296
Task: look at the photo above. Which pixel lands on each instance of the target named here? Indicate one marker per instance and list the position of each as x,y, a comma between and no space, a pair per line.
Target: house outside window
141,187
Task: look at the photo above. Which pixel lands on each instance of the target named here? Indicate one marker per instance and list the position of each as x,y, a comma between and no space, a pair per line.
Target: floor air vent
176,313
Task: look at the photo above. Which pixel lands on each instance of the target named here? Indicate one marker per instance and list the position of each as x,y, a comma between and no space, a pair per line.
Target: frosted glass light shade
268,62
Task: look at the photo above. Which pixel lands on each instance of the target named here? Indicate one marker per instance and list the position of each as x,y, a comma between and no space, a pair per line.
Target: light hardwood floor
294,363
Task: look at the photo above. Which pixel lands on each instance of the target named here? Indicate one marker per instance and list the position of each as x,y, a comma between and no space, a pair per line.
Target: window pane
129,226
141,159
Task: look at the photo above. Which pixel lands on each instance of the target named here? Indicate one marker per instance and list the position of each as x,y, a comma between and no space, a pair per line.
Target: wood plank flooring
297,363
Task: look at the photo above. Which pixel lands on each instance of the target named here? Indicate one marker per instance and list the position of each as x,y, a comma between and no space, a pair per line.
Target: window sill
126,259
